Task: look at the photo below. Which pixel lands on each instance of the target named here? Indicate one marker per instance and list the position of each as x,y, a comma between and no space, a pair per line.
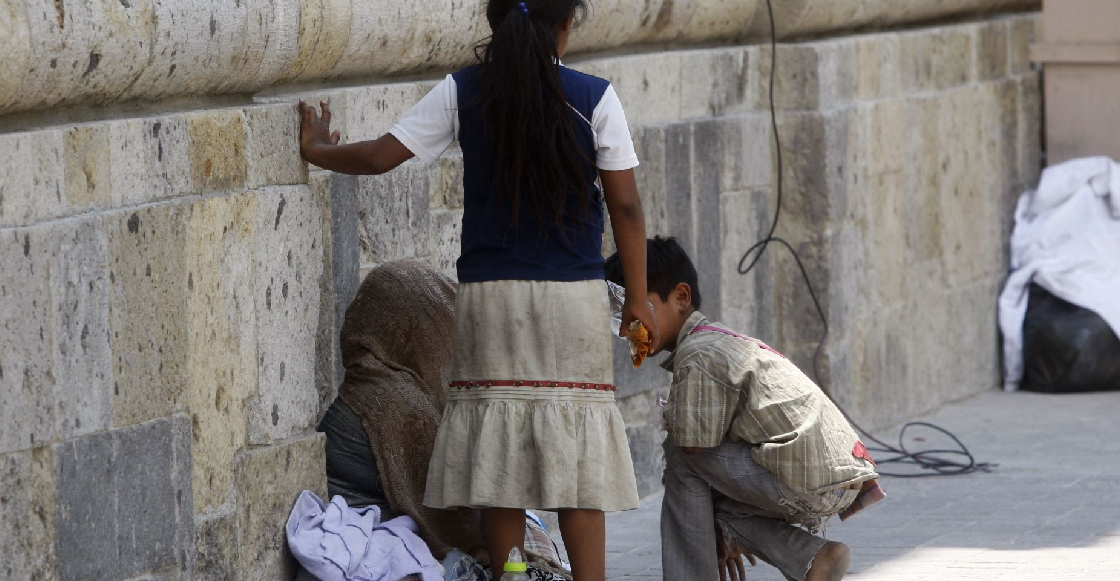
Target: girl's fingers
335,137
326,112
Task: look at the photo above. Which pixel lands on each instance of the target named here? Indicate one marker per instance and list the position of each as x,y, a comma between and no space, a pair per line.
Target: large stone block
745,299
1030,131
271,43
923,180
26,340
991,50
345,256
1020,34
218,150
678,183
88,186
328,358
272,146
640,83
393,214
79,294
149,159
807,200
371,111
288,264
217,548
181,463
796,79
117,514
649,144
27,515
268,482
221,339
148,282
708,147
878,66
33,187
937,58
837,86
747,142
714,82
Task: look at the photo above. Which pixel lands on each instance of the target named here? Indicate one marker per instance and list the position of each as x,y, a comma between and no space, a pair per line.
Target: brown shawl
396,346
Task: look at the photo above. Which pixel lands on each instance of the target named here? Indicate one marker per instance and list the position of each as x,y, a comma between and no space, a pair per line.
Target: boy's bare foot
831,563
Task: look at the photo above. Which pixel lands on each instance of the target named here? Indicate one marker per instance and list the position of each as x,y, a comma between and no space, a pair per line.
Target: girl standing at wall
531,420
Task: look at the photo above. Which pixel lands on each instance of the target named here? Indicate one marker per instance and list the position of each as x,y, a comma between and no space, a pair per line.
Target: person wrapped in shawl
380,430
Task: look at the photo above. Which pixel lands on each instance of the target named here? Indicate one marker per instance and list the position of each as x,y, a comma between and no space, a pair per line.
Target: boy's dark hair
525,110
667,264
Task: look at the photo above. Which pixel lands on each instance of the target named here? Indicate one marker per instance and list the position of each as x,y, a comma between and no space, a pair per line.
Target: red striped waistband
519,383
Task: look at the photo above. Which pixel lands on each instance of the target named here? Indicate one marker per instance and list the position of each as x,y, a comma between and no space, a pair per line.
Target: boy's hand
313,129
731,558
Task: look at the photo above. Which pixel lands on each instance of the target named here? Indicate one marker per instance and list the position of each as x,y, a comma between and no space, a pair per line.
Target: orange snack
640,343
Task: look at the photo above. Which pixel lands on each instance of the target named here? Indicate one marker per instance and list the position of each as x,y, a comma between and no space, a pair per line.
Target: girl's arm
319,146
629,223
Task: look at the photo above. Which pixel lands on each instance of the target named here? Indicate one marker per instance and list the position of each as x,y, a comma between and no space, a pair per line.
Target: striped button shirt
728,386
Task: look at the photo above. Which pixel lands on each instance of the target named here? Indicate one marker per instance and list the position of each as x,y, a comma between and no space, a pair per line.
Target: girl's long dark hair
527,119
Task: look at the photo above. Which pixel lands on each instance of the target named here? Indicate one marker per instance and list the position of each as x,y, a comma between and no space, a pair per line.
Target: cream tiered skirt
531,420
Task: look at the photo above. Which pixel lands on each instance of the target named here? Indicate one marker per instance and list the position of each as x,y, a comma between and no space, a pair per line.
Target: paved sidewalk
1050,510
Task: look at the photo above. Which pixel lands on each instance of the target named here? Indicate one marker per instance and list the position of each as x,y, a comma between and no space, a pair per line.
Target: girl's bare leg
502,530
584,533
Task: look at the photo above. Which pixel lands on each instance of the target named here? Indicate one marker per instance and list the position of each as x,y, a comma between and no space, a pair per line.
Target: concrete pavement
1050,510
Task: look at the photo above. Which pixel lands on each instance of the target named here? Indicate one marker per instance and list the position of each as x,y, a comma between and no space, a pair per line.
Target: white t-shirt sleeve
432,124
614,148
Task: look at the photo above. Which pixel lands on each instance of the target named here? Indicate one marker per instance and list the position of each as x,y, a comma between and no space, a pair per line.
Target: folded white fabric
1066,240
337,543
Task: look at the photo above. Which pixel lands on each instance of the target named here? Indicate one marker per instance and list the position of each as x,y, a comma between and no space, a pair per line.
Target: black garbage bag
1067,348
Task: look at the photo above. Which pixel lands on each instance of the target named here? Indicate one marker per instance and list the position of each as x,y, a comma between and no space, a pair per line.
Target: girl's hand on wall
313,129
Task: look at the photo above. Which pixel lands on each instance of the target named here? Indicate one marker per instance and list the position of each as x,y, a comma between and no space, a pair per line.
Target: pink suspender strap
743,337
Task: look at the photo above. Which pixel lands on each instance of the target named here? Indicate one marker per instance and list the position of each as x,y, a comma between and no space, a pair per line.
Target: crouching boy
757,456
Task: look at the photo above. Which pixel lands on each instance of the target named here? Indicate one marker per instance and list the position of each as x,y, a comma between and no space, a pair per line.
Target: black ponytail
527,119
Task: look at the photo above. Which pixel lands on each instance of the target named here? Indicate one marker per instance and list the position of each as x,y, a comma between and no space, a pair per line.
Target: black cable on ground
936,462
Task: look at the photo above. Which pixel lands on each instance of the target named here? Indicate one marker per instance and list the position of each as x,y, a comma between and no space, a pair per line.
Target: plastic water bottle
515,567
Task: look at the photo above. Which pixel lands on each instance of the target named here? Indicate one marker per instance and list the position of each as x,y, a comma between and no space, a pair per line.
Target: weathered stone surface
797,81
923,180
745,299
218,150
26,381
268,481
747,142
991,52
27,515
272,146
181,464
706,180
371,111
221,339
88,186
807,201
79,293
393,214
446,238
321,42
147,299
639,82
879,66
1021,33
715,82
649,144
116,503
1030,131
288,263
446,181
345,257
149,159
678,183
648,456
216,546
34,180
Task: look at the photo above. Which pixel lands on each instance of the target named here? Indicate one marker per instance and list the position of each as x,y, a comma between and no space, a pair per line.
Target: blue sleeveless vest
492,248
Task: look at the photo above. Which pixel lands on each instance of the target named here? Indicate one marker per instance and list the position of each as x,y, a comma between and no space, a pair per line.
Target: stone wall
80,52
171,285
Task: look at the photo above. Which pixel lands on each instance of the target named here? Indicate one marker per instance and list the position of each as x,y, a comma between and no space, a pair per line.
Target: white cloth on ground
337,543
1066,240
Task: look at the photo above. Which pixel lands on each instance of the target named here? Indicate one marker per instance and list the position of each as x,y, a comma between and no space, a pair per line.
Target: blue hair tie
523,7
